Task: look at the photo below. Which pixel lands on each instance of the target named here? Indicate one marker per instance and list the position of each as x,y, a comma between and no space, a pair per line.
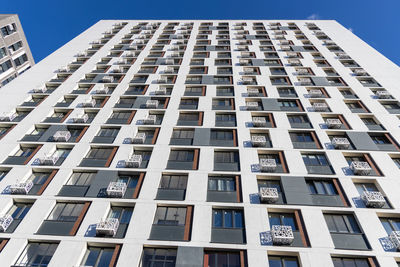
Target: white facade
321,248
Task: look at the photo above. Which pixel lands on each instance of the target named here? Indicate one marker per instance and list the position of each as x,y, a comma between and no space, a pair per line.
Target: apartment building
15,55
203,143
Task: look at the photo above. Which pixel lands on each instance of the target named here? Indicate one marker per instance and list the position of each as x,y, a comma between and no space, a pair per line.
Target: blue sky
50,24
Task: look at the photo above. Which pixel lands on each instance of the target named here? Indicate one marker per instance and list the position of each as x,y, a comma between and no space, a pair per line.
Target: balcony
268,194
62,136
134,161
282,235
320,107
81,118
333,123
8,116
267,165
48,160
152,104
258,141
116,189
21,188
395,238
161,91
252,105
89,103
150,120
259,122
305,82
382,94
5,222
373,199
139,138
360,167
315,93
107,227
340,143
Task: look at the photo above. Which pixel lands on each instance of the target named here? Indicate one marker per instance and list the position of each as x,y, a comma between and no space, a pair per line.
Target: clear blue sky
50,24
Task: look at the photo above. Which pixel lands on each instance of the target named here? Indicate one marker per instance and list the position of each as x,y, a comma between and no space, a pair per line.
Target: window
173,181
366,187
39,178
221,135
353,262
319,187
282,219
61,152
315,160
19,210
226,157
3,174
342,223
36,254
108,132
380,139
189,116
221,102
14,47
287,104
298,119
5,66
194,90
66,212
24,152
228,218
301,137
170,216
21,60
223,258
390,224
181,155
81,178
97,256
369,121
3,52
123,214
99,153
154,257
287,91
283,261
183,134
397,162
225,117
121,115
270,184
222,184
131,181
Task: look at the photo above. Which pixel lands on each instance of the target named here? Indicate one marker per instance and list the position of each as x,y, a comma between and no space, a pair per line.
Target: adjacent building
15,55
203,143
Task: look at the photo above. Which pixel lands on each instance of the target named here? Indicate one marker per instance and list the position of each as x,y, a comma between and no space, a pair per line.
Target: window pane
228,220
217,218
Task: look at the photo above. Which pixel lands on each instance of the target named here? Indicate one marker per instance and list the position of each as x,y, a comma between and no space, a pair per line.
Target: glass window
19,210
81,178
108,132
39,178
183,134
97,257
226,157
181,155
66,212
170,215
173,181
158,257
350,262
223,258
225,117
282,261
123,214
99,153
321,187
228,218
282,219
130,180
36,254
390,224
315,160
342,223
223,184
301,137
221,135
298,119
24,152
